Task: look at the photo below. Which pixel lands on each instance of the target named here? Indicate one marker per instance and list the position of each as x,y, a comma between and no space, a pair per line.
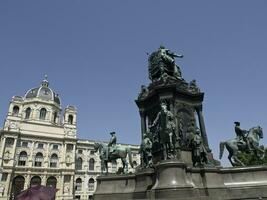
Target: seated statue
162,65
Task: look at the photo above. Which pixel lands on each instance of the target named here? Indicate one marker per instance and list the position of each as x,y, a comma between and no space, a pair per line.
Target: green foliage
251,159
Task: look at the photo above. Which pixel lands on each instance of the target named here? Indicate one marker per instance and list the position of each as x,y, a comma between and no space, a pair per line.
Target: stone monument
176,160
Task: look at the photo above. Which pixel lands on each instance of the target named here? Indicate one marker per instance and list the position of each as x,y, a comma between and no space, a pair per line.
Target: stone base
175,180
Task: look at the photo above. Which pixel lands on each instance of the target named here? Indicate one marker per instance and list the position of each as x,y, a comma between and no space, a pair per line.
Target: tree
251,159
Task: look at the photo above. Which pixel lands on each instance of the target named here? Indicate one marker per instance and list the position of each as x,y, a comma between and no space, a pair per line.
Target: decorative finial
45,82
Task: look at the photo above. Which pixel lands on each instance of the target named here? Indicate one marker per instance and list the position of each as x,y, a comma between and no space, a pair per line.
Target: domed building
39,145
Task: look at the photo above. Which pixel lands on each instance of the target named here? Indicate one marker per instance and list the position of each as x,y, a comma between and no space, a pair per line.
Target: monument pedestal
175,180
172,181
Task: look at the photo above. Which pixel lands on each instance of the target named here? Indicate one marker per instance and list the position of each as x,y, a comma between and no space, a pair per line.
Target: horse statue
234,145
119,152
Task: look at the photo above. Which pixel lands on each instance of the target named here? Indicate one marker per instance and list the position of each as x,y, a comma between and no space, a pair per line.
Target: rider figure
241,135
111,144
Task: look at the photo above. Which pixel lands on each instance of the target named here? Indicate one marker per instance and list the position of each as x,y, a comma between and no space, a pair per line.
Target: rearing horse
233,146
119,152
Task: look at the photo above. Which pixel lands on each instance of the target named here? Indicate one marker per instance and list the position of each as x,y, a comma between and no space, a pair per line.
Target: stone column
27,182
61,186
202,127
143,123
44,180
8,186
2,150
14,152
72,182
31,160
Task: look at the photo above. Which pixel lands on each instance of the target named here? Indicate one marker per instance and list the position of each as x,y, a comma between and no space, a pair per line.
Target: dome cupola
43,92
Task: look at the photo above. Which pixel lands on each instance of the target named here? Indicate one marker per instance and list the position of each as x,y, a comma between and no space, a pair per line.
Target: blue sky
94,53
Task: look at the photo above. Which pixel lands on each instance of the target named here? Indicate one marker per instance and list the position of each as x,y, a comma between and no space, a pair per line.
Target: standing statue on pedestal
165,128
246,141
145,151
111,152
199,152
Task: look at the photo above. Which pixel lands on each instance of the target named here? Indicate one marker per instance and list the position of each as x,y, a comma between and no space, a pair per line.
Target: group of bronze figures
167,133
161,141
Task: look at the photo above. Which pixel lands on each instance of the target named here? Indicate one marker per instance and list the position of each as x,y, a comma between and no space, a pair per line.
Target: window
42,114
38,160
91,164
9,141
15,111
80,151
69,147
55,147
79,164
70,119
22,158
54,160
40,146
55,117
28,113
51,182
36,180
91,184
4,177
24,144
92,152
78,184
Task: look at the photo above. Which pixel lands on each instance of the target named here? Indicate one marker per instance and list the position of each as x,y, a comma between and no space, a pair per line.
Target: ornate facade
39,146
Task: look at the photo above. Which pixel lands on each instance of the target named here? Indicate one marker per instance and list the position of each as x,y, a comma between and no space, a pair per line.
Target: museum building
39,145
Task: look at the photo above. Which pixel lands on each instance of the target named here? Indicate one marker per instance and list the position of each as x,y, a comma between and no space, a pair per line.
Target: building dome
43,92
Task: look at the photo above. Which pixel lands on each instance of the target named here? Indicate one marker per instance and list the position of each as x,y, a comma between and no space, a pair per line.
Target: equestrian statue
245,141
111,152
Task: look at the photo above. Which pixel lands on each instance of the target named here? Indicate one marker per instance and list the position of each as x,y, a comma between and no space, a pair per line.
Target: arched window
42,114
55,117
91,164
38,160
91,184
36,180
78,186
54,160
17,185
70,119
79,164
28,113
22,158
51,182
15,111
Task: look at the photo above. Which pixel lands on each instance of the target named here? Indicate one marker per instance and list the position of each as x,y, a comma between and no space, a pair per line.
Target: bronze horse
119,152
233,146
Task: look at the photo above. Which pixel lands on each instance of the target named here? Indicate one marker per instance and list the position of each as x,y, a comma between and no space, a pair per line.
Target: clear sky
94,53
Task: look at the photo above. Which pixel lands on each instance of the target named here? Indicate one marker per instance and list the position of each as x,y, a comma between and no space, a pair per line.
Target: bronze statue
165,127
162,65
111,144
119,152
241,144
241,135
145,152
199,152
